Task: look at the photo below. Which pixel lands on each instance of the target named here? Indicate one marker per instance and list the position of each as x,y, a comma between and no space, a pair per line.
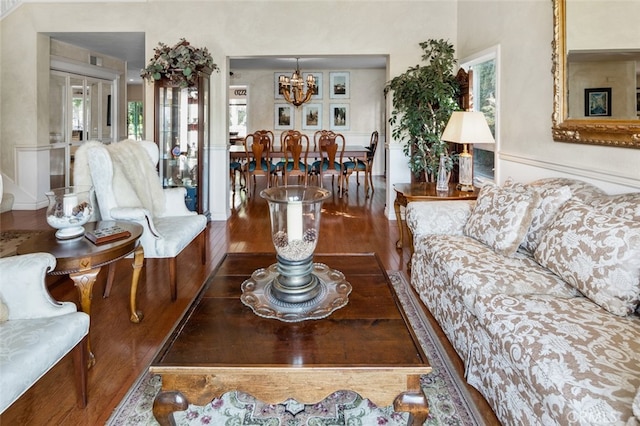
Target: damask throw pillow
596,253
636,405
501,216
626,206
552,197
4,311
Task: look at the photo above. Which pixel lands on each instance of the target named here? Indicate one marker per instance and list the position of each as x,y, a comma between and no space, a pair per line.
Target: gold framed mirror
576,118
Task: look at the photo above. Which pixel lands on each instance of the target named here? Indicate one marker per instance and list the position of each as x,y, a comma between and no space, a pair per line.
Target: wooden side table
424,191
82,260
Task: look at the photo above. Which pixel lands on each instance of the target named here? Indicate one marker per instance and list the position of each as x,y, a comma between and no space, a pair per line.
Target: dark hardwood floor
123,350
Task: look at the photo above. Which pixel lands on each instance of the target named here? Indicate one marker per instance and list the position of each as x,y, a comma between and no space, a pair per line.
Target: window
483,85
237,111
135,117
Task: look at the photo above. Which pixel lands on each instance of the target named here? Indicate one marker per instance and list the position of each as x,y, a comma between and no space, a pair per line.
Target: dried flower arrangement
179,64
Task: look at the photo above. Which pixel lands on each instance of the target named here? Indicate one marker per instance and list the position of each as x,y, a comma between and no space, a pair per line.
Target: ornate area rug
448,398
10,240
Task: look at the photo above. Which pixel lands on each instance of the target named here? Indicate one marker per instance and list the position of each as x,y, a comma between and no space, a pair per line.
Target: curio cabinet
182,134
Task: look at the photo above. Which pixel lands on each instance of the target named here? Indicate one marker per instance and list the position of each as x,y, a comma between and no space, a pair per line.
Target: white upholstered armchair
36,331
127,187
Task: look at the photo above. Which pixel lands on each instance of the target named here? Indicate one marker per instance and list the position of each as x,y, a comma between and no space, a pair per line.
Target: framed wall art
638,101
317,93
311,116
276,85
339,85
283,117
339,117
597,102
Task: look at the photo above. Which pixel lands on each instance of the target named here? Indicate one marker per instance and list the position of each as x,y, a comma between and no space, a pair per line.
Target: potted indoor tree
424,97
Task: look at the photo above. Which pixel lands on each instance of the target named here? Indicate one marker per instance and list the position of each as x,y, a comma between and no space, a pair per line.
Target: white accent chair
122,194
38,331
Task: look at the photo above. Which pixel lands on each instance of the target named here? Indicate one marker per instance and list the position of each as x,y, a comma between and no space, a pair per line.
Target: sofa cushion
501,216
30,347
596,253
472,268
569,347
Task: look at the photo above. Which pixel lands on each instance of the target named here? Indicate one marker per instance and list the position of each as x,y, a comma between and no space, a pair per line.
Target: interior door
80,109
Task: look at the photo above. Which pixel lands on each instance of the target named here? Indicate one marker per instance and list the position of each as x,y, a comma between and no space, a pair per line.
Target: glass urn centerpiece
295,225
295,288
69,209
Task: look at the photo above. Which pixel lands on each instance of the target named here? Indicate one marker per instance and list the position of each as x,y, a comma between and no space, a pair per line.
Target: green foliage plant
424,97
179,64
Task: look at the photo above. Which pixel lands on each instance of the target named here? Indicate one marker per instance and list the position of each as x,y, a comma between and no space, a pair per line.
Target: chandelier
293,88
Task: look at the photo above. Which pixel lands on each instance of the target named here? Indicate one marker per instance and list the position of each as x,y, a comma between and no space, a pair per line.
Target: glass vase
443,175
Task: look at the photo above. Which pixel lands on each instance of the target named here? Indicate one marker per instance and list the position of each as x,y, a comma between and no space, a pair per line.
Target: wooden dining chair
235,168
330,144
258,148
295,150
313,173
357,165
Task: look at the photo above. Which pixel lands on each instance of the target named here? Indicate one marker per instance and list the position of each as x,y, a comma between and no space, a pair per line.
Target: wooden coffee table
82,260
220,345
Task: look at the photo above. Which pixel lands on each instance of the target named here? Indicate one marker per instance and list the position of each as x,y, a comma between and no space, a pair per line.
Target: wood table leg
413,401
138,262
396,206
84,281
110,277
166,403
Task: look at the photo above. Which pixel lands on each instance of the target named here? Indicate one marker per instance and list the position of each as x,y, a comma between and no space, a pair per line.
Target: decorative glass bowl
69,209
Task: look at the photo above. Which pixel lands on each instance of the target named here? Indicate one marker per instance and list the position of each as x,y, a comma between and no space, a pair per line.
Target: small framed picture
339,82
283,117
311,116
597,102
339,119
317,92
638,101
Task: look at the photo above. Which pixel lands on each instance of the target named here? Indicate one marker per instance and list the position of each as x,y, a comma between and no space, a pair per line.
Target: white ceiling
129,47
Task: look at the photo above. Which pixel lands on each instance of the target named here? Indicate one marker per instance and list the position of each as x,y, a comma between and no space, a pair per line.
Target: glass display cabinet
182,134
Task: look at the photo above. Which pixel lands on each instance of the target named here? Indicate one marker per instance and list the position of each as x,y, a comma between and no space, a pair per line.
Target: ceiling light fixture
293,88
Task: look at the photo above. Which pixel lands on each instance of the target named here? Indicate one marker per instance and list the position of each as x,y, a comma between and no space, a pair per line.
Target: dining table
351,153
237,152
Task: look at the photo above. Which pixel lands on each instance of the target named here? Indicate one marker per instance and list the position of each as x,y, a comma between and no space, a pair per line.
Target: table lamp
467,127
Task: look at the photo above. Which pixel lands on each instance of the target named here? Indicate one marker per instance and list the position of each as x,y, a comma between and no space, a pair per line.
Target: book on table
106,233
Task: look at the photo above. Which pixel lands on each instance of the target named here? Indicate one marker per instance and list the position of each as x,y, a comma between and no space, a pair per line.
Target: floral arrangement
179,64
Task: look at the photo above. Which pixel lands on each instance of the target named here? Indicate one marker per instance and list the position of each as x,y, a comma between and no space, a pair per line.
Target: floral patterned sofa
537,288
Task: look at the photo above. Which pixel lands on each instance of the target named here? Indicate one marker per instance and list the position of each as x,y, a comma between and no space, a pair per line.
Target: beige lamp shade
467,127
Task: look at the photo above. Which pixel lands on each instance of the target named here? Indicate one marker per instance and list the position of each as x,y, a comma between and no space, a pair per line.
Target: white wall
366,104
524,31
227,29
252,28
